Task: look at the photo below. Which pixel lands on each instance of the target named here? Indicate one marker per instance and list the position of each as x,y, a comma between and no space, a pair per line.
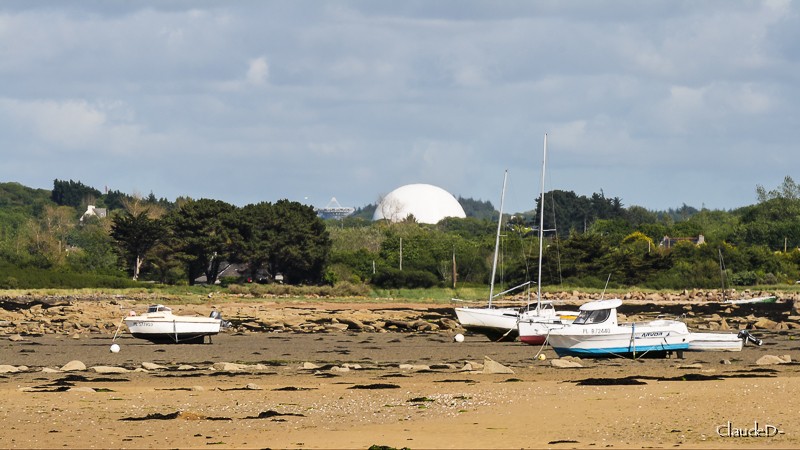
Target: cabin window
589,317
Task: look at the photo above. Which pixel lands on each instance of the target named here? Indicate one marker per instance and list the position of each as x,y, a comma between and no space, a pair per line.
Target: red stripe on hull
533,340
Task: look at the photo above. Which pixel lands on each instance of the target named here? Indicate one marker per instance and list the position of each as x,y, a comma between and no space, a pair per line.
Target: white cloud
258,71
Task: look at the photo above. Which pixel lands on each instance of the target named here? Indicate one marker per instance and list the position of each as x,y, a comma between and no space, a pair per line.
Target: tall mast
497,238
541,229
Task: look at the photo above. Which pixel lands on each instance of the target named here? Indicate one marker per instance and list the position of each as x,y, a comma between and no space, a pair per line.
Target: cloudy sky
659,103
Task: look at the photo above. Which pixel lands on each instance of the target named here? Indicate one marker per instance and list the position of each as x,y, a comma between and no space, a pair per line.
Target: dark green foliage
15,277
135,235
114,200
478,209
364,212
204,234
73,193
301,243
391,278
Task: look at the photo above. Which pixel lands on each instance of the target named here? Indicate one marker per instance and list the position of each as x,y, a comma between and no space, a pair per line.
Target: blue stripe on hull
621,351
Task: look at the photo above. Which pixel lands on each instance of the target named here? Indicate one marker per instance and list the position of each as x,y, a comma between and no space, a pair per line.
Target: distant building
333,210
669,242
96,212
427,203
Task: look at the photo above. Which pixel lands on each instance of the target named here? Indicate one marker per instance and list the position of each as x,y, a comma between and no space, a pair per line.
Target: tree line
589,241
151,239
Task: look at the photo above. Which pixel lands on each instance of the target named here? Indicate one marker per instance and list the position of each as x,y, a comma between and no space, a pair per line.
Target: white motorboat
534,323
159,325
596,333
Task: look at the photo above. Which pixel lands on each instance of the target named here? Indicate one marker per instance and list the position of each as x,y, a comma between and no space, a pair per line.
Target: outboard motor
218,315
746,336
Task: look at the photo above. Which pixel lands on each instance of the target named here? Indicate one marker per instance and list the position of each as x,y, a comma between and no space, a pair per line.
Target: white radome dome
428,204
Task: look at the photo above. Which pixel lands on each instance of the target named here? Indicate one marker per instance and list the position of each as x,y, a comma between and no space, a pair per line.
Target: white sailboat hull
493,322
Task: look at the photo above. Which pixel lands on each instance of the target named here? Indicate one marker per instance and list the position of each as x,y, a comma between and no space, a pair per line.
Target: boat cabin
600,311
158,308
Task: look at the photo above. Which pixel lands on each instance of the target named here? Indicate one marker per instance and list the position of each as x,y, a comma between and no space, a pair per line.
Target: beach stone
726,362
449,324
16,338
352,366
197,388
337,369
767,360
82,389
109,369
471,366
414,367
5,368
49,370
152,366
562,363
765,324
492,366
74,365
309,366
352,323
229,367
252,387
185,367
336,327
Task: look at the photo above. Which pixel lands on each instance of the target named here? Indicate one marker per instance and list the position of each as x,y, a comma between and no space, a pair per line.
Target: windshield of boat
589,317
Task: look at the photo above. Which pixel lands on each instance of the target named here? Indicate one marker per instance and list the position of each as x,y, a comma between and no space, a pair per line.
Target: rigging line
558,247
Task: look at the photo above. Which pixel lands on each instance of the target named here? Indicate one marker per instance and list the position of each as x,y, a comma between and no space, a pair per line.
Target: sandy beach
356,389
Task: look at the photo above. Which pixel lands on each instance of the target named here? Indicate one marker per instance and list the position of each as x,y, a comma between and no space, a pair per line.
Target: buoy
114,348
542,357
459,337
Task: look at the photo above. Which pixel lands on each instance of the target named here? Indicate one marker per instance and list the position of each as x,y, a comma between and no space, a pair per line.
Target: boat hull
173,330
719,342
624,340
534,328
496,323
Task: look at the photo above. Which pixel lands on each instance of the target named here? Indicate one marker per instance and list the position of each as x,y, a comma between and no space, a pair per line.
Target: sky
659,103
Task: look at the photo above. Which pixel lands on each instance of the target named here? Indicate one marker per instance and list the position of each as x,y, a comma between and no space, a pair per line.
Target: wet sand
359,395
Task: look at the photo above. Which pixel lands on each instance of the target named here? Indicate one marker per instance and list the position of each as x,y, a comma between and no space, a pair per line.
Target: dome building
427,203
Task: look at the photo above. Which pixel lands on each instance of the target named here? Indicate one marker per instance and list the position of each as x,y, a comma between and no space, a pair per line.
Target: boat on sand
596,333
159,325
498,324
535,322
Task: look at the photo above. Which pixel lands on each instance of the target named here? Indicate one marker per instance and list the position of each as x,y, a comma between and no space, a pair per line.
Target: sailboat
534,324
499,324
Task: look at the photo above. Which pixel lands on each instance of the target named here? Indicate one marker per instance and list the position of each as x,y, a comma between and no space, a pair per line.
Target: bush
391,278
34,278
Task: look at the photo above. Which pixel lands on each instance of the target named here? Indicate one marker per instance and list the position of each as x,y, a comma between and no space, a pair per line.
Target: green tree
135,234
257,228
73,193
302,244
204,234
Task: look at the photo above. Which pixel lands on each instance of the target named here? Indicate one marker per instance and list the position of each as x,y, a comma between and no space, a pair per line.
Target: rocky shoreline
76,315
